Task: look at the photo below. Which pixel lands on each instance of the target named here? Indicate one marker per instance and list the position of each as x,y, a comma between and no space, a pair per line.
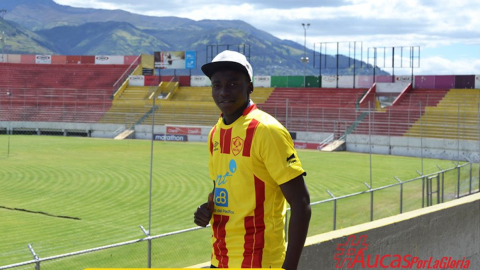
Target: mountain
22,41
46,14
66,30
109,38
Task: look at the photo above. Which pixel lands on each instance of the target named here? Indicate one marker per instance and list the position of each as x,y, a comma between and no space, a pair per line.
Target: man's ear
250,87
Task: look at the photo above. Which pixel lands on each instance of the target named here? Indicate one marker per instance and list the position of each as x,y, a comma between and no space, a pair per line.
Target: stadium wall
415,147
448,233
383,145
390,84
61,128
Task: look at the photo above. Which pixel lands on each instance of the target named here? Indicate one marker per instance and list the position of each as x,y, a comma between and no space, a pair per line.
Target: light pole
304,59
2,14
2,39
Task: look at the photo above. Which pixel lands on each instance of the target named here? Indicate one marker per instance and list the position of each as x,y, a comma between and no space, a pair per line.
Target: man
255,168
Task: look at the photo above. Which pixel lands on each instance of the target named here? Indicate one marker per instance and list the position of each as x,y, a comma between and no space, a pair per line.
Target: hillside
22,41
111,38
66,30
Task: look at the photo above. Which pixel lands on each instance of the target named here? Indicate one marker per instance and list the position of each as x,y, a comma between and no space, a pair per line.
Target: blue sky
447,32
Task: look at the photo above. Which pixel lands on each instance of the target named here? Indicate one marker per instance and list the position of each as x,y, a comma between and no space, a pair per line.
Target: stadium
103,163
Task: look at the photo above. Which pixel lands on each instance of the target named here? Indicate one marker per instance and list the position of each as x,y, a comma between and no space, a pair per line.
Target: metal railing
433,188
427,193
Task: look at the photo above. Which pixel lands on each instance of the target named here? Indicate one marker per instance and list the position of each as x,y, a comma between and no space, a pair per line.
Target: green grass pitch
94,192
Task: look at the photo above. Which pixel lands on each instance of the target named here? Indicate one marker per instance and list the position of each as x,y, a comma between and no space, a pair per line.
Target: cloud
424,23
440,66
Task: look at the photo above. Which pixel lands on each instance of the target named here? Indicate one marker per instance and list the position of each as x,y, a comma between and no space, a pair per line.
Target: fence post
458,180
438,188
308,109
423,188
149,249
443,183
371,201
421,135
35,257
401,193
471,183
286,113
334,210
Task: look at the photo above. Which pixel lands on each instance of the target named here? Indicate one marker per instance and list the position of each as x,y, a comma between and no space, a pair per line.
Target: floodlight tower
304,59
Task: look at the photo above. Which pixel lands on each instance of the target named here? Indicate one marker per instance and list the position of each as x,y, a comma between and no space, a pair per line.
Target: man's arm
296,193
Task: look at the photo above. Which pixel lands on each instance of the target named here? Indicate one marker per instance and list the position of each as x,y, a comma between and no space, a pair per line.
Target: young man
255,170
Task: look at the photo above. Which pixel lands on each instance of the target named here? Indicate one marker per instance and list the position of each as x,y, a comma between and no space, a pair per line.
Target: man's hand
204,212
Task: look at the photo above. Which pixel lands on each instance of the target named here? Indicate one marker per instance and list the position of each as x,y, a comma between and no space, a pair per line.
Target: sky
435,37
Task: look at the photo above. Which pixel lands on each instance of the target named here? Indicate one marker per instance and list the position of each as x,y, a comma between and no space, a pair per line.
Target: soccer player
255,171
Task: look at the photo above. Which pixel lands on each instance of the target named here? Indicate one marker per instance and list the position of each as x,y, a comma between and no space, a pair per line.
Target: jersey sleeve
279,155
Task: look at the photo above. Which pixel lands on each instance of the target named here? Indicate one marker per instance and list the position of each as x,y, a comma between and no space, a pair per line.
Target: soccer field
65,194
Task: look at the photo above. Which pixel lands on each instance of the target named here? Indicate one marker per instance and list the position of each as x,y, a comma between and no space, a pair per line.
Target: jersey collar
251,106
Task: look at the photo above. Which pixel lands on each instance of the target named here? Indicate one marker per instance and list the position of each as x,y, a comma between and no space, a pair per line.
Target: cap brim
210,68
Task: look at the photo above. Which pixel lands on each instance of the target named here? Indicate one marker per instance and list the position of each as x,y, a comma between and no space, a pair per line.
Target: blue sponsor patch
221,197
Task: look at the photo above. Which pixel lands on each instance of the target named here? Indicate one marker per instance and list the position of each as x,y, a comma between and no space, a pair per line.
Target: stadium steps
454,117
337,145
195,106
185,113
130,107
126,112
135,93
204,94
126,134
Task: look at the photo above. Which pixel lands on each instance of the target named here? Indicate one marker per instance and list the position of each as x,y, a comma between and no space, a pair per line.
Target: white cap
228,60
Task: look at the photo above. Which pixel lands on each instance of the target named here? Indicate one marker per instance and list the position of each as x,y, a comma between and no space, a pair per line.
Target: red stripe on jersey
211,139
255,230
225,140
220,246
252,127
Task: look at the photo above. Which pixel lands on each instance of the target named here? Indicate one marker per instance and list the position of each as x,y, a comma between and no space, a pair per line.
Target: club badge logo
237,143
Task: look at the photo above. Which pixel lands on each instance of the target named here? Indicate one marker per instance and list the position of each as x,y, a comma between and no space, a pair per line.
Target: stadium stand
86,93
194,106
73,93
454,117
314,109
396,120
130,106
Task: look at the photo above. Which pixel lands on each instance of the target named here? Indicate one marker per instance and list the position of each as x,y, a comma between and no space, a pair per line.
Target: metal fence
191,246
338,115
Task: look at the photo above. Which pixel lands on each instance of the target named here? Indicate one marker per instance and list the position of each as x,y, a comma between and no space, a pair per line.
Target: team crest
237,144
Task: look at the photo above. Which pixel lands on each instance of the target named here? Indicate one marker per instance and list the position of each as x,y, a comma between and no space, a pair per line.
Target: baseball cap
228,60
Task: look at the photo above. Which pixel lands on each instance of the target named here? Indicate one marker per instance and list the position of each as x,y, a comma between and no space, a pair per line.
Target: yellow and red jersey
249,160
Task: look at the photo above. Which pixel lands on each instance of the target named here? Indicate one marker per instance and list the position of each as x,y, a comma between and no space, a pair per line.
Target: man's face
231,91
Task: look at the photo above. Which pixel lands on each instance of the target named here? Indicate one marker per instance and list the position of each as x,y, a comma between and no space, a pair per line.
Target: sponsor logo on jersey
221,197
237,143
221,194
291,160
